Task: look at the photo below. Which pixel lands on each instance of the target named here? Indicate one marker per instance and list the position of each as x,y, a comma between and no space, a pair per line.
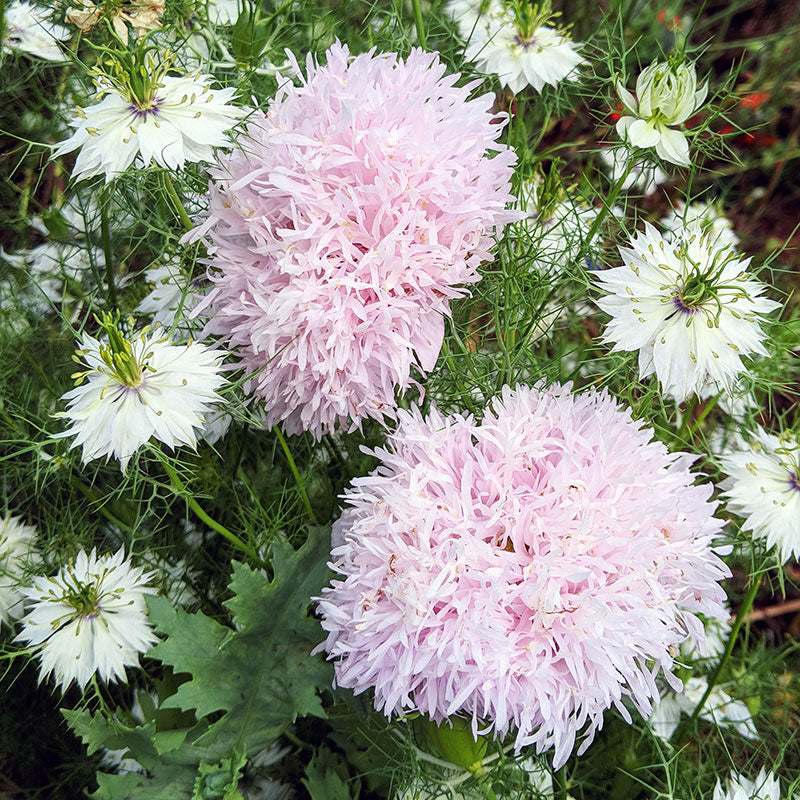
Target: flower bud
667,95
455,741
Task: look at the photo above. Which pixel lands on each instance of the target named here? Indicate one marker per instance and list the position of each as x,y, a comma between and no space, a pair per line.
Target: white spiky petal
186,122
711,219
763,486
28,29
497,45
687,348
646,176
718,632
75,637
16,551
224,12
167,295
178,387
719,708
764,787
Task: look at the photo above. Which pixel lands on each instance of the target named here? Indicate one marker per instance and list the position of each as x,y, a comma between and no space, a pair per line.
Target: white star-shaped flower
764,787
763,486
175,119
90,617
17,552
688,306
517,44
136,389
28,29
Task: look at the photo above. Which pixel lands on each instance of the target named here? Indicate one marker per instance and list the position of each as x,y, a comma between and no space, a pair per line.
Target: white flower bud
667,95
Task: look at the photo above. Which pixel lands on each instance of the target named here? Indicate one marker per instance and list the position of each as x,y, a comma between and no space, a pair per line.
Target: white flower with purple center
688,305
28,29
164,119
90,617
763,486
515,42
140,388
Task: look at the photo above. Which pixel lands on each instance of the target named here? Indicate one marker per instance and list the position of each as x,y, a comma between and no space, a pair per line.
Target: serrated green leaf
261,674
327,778
165,782
167,741
115,787
97,731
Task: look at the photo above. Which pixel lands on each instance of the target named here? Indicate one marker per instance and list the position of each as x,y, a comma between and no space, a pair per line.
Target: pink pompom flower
530,570
357,208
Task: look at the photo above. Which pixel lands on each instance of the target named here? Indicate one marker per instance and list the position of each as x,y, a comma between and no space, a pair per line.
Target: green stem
177,205
297,740
560,783
105,237
607,206
420,25
439,762
687,416
181,489
296,473
92,495
744,610
706,411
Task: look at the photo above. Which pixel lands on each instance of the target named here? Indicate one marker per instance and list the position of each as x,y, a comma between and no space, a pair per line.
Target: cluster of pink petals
533,569
341,228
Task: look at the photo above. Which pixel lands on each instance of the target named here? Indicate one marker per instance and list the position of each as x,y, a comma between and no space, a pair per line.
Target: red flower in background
749,139
754,100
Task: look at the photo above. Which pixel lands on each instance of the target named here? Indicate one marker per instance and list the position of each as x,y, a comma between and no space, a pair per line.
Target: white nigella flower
764,787
138,388
17,551
224,12
642,175
688,306
166,297
514,42
763,486
28,29
475,18
667,96
710,218
717,633
54,272
166,119
557,224
90,617
77,217
720,709
216,425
